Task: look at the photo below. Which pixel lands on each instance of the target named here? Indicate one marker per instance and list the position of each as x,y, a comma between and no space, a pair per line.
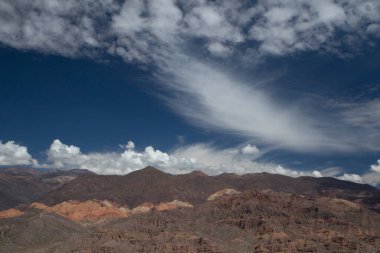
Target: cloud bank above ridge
184,159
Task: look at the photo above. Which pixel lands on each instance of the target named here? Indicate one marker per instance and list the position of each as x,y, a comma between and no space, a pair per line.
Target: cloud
215,161
218,49
249,149
14,154
137,29
317,173
66,28
129,145
187,158
212,98
332,171
352,178
285,27
184,159
365,114
376,167
173,35
62,156
181,160
372,178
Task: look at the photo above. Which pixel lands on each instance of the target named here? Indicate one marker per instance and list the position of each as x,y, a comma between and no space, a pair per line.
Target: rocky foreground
240,222
242,214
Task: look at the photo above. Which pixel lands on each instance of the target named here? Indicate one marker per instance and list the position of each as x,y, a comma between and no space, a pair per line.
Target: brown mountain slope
309,186
35,230
133,189
18,189
23,185
155,186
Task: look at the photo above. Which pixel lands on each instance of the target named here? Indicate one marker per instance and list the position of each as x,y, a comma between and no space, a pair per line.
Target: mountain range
152,211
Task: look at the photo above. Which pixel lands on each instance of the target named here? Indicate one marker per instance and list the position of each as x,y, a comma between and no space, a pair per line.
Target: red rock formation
90,210
10,213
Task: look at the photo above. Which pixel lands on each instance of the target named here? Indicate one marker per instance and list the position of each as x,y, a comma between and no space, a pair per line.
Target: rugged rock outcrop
221,193
247,222
10,213
146,207
95,210
89,210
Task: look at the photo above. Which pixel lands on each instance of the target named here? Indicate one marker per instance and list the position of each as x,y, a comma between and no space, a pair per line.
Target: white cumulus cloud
351,177
129,145
317,173
182,160
14,154
376,167
62,156
249,149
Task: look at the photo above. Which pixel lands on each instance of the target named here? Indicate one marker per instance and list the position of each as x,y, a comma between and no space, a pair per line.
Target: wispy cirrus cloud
213,99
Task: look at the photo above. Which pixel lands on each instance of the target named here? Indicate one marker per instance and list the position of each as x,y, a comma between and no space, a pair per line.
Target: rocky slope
22,186
243,222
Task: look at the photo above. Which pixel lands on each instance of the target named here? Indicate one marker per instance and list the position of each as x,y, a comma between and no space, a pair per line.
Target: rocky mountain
152,211
155,186
251,221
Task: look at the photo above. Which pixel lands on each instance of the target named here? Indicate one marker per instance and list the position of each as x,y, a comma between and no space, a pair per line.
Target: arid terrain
152,211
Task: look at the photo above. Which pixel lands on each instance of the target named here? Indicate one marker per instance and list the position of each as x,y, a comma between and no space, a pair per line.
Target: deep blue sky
95,105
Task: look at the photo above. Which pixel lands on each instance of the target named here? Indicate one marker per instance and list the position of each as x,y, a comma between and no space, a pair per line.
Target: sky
289,87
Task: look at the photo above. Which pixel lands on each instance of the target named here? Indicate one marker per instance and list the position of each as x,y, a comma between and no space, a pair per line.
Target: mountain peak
198,173
151,169
148,171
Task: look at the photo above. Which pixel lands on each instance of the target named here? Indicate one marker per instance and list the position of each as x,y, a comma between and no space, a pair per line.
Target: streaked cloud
212,98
